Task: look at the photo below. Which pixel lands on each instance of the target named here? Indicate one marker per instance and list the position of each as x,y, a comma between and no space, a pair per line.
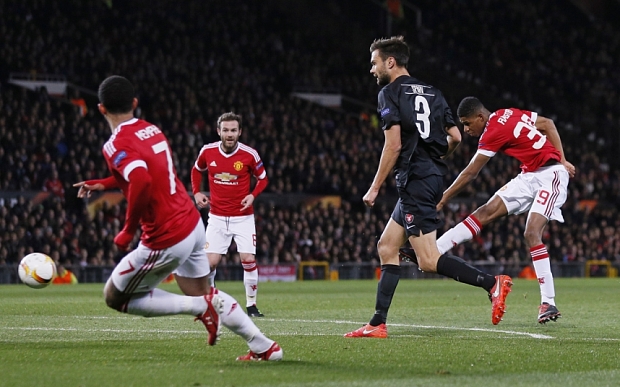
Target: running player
172,240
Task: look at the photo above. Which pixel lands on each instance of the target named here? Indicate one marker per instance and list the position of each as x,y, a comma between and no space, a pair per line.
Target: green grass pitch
440,334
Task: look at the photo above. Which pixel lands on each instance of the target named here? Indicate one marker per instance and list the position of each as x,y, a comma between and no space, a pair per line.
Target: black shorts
416,209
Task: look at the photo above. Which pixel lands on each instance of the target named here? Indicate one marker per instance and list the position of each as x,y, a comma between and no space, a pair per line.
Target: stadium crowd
189,69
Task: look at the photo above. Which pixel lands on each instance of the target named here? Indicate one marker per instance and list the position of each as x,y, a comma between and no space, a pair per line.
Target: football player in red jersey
540,189
140,161
230,165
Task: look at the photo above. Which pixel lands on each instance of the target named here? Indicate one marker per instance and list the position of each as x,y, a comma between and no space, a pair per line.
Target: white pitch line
533,335
414,326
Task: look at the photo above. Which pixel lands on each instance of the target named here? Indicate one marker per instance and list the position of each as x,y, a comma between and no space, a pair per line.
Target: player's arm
547,127
86,187
465,177
454,139
196,176
261,183
201,199
389,156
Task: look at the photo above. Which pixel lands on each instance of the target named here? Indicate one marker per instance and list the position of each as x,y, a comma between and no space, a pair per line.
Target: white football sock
458,234
250,281
542,266
161,303
235,319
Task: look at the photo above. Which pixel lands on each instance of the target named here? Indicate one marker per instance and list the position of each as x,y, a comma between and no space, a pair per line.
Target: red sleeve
261,184
493,137
196,180
138,195
108,183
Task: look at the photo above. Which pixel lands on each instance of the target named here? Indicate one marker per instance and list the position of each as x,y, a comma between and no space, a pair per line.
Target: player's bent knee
113,297
113,302
427,265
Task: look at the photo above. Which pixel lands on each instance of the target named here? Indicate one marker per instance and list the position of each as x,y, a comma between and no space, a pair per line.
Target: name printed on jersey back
147,132
504,118
416,89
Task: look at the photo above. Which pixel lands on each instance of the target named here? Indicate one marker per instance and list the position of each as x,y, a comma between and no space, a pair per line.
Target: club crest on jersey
119,157
409,218
238,165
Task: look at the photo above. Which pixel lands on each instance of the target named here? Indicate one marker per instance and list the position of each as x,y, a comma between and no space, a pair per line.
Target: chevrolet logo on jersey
238,165
225,178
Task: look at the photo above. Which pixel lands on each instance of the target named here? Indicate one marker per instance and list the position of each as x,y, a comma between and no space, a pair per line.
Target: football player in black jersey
420,133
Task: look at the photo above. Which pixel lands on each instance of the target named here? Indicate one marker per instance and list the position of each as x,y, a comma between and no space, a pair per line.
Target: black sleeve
388,109
448,117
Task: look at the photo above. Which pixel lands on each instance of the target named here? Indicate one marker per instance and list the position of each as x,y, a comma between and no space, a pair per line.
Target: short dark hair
116,93
392,47
229,116
469,106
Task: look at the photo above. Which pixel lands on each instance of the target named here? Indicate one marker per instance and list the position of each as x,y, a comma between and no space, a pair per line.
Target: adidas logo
213,164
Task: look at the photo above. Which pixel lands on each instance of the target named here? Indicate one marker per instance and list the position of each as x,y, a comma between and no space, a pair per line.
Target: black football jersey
423,115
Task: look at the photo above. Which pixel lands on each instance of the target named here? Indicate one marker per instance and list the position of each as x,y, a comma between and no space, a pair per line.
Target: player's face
473,125
378,68
229,132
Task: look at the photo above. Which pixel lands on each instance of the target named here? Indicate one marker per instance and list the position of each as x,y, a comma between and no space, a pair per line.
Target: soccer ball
37,270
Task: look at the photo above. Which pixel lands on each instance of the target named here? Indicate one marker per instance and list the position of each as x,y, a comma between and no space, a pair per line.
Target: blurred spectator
307,149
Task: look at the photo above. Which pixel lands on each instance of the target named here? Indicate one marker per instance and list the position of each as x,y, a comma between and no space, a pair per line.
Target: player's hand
371,196
87,188
201,200
570,168
247,202
122,240
440,205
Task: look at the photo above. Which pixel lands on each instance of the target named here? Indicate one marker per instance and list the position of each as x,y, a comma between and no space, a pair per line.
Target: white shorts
222,229
143,269
543,192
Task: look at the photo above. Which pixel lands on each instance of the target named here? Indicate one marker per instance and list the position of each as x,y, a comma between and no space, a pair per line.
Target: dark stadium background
193,60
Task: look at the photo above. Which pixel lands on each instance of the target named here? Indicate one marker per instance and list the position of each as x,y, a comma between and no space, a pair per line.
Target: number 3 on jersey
163,147
423,111
527,123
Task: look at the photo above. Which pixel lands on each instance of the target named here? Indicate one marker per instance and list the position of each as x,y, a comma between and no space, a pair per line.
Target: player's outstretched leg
234,318
497,295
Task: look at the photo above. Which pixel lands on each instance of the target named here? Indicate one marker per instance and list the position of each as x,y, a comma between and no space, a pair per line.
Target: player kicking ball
540,189
173,235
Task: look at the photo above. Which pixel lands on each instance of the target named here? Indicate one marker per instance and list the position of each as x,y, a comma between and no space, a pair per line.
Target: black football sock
456,268
390,274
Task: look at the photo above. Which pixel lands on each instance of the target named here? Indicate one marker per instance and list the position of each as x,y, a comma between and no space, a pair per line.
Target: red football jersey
229,176
171,215
513,132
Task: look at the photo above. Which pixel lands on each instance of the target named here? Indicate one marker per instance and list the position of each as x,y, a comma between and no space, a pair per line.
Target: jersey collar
128,122
219,147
